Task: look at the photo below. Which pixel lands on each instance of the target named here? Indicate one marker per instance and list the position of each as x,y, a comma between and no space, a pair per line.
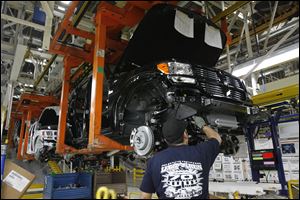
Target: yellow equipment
35,191
276,96
137,174
293,189
54,167
105,193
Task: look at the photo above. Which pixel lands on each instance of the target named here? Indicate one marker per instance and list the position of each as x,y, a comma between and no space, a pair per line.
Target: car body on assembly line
43,134
165,68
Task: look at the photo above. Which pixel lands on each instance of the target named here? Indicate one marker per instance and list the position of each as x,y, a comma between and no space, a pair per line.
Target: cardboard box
211,175
294,175
113,180
294,164
238,167
219,158
16,181
286,166
287,176
272,177
238,176
227,167
217,166
227,159
219,176
227,176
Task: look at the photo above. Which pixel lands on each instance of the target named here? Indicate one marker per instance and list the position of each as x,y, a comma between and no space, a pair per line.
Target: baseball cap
173,129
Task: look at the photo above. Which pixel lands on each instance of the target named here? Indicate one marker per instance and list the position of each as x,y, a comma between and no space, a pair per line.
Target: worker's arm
146,195
211,133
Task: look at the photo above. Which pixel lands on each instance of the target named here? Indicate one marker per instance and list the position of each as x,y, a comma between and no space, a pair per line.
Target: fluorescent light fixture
61,8
44,62
28,60
66,2
269,62
40,49
22,90
240,15
25,85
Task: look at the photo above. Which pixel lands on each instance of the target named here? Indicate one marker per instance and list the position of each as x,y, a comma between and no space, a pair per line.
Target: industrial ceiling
255,27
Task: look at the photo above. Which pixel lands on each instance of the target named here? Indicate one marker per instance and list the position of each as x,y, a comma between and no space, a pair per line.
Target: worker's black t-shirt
181,172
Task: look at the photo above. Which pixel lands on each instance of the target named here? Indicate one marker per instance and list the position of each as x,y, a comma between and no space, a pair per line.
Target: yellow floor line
36,185
33,196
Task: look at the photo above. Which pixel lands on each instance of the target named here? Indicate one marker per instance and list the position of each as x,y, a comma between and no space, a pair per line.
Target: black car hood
156,39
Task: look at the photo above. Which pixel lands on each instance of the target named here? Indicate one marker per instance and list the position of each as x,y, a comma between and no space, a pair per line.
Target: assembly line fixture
29,105
272,121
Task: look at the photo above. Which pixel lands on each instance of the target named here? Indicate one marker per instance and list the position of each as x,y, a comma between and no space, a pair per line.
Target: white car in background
43,134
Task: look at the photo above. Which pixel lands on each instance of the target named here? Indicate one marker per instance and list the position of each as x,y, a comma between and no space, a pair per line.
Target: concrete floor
36,168
41,170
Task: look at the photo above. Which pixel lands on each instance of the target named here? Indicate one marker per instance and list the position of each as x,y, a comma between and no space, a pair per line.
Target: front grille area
234,82
219,84
214,90
208,74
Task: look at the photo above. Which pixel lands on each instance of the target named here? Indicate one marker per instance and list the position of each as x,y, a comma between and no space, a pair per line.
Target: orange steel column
19,156
28,121
97,83
63,107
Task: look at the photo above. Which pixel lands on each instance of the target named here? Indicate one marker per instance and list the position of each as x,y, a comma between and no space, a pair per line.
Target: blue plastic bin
55,186
39,16
3,156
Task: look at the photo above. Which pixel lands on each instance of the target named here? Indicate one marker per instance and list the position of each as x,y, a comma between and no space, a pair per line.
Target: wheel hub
142,139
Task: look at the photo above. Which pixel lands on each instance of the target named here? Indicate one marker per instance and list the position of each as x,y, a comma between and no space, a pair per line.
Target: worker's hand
199,121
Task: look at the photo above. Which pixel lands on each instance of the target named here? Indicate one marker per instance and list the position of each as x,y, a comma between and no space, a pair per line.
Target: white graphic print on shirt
182,179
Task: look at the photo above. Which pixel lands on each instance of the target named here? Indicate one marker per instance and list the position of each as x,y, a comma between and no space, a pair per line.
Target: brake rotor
142,140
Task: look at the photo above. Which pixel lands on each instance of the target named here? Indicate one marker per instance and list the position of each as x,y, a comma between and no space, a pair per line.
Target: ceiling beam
229,10
215,3
47,8
6,46
6,57
270,52
18,61
265,26
20,4
9,48
8,25
23,22
48,24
